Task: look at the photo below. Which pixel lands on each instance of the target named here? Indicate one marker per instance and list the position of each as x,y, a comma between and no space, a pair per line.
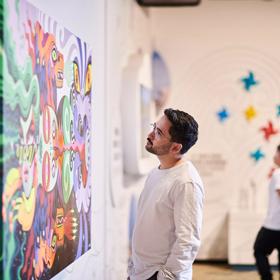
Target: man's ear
176,147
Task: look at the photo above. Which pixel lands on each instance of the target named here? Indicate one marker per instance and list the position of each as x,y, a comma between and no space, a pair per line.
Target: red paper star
268,130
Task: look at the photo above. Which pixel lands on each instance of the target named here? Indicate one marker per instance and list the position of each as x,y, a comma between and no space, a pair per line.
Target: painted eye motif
73,96
80,125
88,79
72,132
72,158
88,148
54,54
53,244
53,168
47,167
76,78
53,129
46,125
80,176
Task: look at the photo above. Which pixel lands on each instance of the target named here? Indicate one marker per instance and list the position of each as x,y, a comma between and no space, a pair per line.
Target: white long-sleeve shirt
272,220
166,236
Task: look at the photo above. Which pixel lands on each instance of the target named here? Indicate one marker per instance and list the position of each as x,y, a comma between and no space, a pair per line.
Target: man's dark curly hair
278,148
183,130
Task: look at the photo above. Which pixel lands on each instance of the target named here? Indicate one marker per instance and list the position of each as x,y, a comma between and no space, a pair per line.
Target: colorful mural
46,201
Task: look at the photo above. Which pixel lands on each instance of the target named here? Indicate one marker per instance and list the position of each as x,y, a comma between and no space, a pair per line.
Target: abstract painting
46,113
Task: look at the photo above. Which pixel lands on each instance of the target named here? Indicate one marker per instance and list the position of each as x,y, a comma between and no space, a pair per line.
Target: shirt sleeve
188,205
277,181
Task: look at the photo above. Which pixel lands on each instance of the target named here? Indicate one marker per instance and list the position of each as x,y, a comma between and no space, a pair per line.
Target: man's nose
151,135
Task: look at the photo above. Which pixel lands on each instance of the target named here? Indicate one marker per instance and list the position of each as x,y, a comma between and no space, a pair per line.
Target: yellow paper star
250,113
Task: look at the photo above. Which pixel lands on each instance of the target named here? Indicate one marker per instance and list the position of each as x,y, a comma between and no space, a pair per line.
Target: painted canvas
47,92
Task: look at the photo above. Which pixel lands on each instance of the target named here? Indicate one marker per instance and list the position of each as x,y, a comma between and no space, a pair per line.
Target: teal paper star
249,81
278,110
257,155
223,114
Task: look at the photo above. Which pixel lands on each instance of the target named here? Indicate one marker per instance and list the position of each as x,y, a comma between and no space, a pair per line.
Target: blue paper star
249,81
223,114
278,110
257,155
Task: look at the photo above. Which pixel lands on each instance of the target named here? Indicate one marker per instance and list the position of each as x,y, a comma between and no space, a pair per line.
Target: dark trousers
267,240
154,277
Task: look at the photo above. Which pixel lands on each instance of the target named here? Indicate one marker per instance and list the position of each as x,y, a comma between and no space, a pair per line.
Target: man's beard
159,151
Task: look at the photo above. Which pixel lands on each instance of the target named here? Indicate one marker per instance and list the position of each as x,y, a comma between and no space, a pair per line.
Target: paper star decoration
278,110
249,81
250,113
223,114
268,130
257,155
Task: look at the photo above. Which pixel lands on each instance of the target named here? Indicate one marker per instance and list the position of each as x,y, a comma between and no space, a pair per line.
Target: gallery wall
127,36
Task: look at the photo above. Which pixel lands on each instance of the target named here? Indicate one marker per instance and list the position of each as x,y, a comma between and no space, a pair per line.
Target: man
268,237
166,236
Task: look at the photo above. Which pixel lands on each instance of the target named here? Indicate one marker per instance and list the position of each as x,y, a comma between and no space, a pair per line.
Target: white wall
127,34
208,49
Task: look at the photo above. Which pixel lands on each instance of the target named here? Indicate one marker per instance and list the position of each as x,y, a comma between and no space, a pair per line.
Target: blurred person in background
268,237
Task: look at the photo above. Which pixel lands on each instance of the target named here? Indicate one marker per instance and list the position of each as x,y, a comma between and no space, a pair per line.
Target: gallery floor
224,272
